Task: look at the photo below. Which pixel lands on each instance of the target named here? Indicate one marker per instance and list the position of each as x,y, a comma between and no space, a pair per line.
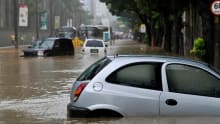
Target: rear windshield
95,68
94,43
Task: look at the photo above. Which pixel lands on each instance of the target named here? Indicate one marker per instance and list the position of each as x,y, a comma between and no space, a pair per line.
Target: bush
198,48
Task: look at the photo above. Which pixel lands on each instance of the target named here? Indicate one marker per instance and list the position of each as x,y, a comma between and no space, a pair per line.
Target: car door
190,91
57,47
135,89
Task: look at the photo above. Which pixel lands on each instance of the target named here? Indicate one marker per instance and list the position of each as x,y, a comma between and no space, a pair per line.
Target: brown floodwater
36,89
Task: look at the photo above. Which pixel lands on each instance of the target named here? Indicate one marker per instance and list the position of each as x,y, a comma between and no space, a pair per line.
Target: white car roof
94,39
158,58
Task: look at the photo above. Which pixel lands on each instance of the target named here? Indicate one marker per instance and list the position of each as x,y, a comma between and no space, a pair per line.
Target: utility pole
51,16
37,19
16,23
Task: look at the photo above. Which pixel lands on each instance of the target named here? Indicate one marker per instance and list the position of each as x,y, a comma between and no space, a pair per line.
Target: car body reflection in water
148,120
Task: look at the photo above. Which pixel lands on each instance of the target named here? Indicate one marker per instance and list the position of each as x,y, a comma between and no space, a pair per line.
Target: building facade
44,16
98,11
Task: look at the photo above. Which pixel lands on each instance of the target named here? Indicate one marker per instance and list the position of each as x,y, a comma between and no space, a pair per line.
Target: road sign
23,15
142,28
215,7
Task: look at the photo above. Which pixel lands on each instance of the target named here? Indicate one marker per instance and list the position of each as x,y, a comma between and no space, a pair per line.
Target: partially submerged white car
94,46
128,86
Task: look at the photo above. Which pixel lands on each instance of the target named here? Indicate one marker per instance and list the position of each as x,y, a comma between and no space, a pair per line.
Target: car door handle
171,102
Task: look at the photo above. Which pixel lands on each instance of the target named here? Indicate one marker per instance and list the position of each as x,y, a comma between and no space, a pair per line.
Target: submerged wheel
46,54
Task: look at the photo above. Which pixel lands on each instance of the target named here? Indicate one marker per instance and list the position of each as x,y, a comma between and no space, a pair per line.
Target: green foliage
198,48
72,5
171,18
155,14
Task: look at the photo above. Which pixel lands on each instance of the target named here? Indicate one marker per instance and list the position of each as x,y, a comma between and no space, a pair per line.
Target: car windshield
36,44
95,68
48,43
94,43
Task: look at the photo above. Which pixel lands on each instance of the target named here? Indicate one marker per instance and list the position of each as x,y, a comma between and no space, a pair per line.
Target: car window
94,43
95,68
192,80
48,43
57,44
36,44
141,75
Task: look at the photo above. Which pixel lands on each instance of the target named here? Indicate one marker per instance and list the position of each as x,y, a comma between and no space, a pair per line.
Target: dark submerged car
35,44
51,47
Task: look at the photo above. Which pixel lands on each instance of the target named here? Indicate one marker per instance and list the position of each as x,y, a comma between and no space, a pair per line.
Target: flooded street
36,89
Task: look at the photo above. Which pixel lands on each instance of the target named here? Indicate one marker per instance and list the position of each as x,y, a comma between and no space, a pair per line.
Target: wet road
36,90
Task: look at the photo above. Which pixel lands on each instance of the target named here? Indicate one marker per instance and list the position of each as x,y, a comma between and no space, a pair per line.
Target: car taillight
78,91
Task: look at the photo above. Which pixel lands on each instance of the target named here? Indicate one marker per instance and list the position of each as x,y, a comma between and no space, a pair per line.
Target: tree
74,9
208,28
142,8
163,20
158,16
